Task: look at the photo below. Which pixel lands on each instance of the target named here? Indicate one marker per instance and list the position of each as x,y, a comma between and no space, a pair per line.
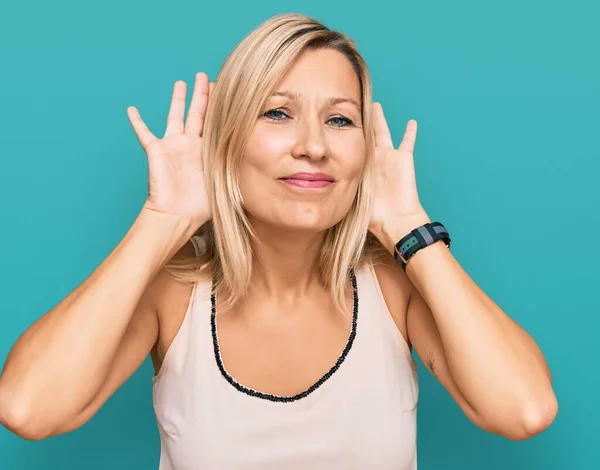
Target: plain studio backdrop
506,95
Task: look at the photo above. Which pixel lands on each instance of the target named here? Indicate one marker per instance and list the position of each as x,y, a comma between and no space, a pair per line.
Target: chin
296,224
301,226
307,228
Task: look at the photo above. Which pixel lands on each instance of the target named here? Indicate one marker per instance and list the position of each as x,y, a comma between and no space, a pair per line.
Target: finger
410,136
177,109
383,138
139,127
195,119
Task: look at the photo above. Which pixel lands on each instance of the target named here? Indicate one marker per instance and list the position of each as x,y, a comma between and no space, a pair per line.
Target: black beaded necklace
268,396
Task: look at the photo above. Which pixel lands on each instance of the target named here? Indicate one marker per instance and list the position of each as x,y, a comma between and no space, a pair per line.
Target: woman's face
311,124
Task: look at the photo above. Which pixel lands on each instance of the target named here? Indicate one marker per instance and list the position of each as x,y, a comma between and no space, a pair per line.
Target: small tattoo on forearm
430,363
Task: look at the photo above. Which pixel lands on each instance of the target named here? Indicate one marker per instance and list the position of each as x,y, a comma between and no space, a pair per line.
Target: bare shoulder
395,287
170,298
150,329
165,287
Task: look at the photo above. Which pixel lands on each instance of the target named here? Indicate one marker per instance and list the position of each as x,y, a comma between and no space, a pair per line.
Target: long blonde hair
243,85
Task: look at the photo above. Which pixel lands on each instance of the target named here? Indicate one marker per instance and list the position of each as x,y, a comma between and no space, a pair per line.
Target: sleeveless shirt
362,416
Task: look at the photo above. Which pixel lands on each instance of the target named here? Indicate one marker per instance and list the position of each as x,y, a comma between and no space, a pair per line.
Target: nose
310,139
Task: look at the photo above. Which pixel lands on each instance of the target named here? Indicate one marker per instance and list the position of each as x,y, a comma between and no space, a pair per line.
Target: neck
285,263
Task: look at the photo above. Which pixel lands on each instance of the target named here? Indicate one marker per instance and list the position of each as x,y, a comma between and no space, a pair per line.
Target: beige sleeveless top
360,415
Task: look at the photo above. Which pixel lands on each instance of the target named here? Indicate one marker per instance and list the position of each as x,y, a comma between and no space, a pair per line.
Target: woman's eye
275,114
278,115
340,121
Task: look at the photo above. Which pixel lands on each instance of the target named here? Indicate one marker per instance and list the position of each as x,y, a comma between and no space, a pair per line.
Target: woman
276,277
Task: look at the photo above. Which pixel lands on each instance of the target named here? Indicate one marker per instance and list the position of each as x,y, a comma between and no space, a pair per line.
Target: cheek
265,147
259,166
352,155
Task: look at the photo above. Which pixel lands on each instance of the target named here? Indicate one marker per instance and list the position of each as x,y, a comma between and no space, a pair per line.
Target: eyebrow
331,101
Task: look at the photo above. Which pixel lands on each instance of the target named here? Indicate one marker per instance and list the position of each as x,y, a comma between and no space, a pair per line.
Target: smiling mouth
308,180
304,183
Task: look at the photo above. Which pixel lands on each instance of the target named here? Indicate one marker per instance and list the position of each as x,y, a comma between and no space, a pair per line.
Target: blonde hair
243,85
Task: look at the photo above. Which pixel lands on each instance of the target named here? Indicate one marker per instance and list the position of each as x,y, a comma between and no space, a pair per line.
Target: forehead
325,72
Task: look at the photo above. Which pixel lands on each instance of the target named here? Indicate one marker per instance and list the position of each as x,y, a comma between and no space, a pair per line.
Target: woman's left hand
395,206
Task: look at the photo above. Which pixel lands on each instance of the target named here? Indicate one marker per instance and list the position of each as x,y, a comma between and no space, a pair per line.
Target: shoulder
396,288
165,283
169,288
171,298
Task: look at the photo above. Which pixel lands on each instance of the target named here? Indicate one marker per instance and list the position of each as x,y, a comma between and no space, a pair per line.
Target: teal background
507,99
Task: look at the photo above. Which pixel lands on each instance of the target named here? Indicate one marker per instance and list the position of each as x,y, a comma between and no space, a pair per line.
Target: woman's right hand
175,169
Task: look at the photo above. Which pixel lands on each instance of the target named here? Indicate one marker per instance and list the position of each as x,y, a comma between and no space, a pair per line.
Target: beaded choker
268,396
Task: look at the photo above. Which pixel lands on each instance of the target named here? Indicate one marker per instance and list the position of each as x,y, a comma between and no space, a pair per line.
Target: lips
308,180
309,177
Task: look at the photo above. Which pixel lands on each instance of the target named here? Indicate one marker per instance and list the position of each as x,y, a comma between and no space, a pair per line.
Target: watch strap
419,238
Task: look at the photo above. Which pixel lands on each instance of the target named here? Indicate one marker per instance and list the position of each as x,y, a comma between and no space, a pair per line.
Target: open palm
396,208
176,183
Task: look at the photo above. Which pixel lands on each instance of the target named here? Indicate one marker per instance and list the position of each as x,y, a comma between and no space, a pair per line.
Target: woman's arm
62,363
491,366
488,363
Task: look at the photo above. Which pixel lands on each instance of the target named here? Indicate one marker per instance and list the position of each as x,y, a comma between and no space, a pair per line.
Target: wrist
150,242
170,229
394,230
418,260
